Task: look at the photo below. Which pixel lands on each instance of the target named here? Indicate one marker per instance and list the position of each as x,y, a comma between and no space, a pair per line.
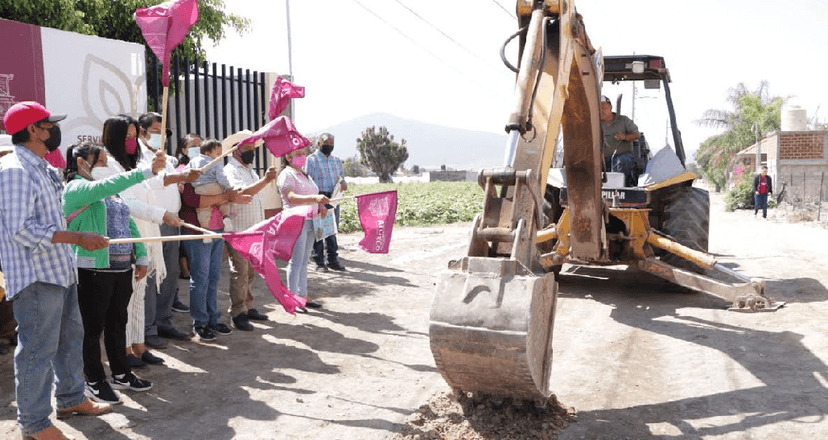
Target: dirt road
636,357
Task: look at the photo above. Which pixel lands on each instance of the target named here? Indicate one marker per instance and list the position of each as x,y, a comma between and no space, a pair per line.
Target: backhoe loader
491,321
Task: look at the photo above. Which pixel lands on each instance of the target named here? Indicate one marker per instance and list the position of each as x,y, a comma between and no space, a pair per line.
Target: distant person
296,189
40,274
239,171
326,171
619,134
762,186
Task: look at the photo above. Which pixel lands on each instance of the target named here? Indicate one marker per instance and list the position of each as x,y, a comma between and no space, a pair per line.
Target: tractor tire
686,218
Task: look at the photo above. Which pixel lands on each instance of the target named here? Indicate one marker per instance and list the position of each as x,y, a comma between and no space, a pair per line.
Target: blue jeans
205,272
297,269
760,201
49,349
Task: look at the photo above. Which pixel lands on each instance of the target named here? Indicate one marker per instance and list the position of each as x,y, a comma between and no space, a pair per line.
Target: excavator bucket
491,328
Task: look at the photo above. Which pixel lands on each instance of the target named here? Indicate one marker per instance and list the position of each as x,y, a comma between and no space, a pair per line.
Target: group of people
63,267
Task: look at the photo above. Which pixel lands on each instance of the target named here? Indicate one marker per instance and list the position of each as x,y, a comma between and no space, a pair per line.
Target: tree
379,152
113,19
353,168
753,113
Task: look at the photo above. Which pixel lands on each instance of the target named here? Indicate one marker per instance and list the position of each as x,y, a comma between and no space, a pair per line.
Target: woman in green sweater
91,203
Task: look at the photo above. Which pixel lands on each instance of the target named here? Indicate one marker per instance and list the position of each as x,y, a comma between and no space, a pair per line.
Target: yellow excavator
491,321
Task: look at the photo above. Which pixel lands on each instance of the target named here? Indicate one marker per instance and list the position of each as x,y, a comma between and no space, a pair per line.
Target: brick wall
802,145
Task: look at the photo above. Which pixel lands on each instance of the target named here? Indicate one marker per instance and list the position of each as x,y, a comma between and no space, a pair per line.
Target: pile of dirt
474,417
803,212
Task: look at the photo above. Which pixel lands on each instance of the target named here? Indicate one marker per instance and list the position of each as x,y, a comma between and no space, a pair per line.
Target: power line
461,73
504,9
467,50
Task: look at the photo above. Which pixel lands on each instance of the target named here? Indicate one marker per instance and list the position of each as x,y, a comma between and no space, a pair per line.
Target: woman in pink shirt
296,189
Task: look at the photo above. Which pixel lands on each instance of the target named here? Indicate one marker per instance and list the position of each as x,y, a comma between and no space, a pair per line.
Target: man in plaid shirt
326,171
41,275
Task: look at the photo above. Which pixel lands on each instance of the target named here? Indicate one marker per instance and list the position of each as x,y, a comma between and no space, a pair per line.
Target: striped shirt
241,176
30,214
324,171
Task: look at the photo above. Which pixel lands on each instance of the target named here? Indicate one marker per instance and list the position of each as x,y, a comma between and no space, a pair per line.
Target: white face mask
193,152
154,141
101,173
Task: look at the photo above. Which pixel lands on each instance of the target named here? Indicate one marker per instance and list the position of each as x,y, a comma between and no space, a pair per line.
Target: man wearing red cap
41,275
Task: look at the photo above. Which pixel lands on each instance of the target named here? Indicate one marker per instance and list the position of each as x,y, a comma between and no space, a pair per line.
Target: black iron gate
211,100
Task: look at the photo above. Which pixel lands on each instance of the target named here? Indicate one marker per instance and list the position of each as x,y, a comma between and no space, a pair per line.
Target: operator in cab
619,134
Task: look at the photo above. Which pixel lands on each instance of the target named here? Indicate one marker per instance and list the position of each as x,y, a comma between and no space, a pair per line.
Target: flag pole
162,239
220,158
164,102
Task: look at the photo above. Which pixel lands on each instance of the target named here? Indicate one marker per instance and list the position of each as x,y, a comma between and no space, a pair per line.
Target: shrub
741,196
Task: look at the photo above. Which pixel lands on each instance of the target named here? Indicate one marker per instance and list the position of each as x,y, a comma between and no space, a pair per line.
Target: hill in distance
429,145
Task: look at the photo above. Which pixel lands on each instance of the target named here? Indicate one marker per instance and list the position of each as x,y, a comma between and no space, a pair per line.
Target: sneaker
336,266
204,333
130,381
242,322
102,392
321,268
154,341
180,307
228,225
220,329
313,304
172,333
256,315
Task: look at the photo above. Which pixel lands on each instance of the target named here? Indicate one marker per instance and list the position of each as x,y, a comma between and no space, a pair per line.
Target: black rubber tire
686,218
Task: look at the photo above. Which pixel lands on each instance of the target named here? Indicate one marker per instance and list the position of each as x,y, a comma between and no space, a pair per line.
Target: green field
420,204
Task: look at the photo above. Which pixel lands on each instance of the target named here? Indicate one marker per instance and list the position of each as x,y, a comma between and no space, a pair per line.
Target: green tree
379,152
113,19
753,113
353,168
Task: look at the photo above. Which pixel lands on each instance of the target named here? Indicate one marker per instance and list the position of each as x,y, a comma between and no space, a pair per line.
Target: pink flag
267,241
377,212
165,26
280,95
279,135
55,159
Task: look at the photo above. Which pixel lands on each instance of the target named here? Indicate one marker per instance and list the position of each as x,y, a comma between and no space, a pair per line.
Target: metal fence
211,100
806,192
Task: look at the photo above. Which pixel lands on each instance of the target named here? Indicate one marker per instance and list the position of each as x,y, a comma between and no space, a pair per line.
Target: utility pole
758,148
290,55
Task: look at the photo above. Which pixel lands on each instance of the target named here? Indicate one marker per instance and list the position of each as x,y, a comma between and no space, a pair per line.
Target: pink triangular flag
280,137
165,26
377,212
281,94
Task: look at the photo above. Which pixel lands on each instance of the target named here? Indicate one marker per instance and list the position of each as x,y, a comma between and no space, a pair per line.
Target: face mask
298,161
53,142
247,157
101,173
326,149
154,141
131,145
193,152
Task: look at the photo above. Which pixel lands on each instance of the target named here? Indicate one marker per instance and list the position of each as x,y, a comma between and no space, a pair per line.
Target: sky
439,61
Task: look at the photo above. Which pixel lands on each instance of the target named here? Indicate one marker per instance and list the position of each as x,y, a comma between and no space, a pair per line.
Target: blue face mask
193,152
154,141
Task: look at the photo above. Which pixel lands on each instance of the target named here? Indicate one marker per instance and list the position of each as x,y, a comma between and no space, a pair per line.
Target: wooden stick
167,238
164,102
196,228
219,159
339,199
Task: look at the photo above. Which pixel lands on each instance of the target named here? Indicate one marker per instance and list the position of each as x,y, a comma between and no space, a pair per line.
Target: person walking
239,171
39,270
326,171
762,187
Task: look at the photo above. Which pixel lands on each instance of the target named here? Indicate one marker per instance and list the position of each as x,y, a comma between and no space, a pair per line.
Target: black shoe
220,329
301,310
336,266
204,333
151,359
155,342
241,322
130,381
180,307
256,316
134,362
102,392
313,304
173,333
321,268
